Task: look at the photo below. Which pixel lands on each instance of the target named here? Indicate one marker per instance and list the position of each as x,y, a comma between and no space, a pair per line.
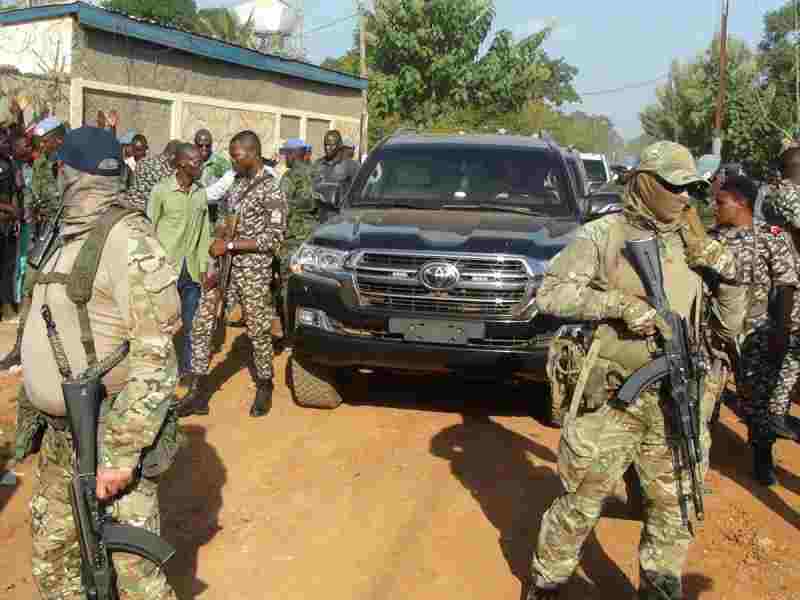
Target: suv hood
447,231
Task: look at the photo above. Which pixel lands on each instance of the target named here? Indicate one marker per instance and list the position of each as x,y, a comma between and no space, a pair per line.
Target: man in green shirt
178,209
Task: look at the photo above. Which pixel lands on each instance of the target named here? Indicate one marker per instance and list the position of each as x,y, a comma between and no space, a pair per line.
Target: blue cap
47,125
127,139
92,150
294,144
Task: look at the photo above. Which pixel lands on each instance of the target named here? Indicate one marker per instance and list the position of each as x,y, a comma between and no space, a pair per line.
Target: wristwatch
229,246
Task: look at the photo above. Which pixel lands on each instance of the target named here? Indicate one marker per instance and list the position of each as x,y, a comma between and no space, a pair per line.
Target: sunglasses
694,189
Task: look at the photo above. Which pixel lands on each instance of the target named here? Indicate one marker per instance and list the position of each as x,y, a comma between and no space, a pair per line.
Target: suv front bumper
330,328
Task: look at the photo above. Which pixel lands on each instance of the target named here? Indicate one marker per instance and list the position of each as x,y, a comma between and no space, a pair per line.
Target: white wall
40,47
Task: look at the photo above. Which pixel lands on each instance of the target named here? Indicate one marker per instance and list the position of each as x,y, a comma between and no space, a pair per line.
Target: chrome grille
490,287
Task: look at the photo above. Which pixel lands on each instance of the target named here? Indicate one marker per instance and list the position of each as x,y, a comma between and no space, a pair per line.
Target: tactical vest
79,284
620,353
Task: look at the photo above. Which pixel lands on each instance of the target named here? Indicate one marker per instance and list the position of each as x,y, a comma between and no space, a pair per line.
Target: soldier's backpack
79,287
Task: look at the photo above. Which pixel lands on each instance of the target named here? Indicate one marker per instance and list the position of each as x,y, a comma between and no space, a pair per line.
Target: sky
613,44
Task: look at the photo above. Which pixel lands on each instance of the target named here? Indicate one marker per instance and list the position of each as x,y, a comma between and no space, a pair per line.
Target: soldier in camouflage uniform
302,206
333,167
592,280
257,201
48,135
149,173
134,298
771,349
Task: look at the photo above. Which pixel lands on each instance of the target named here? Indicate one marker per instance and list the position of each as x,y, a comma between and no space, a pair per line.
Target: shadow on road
190,497
513,479
238,356
446,394
732,457
6,491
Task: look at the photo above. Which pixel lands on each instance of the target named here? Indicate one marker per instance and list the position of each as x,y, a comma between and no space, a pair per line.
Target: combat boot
196,401
263,402
13,358
763,464
531,592
793,423
780,428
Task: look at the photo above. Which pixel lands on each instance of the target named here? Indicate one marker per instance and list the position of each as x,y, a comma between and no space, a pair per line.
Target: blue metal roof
112,22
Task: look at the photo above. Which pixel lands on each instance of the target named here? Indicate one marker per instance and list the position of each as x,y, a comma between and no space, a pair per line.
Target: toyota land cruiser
433,263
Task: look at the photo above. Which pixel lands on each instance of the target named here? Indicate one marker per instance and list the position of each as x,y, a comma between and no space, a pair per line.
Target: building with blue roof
166,83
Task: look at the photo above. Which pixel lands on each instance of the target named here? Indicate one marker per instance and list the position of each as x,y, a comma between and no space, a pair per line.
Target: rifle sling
583,378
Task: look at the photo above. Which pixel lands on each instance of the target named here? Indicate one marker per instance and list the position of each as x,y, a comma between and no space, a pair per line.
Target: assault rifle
225,266
682,368
98,535
45,240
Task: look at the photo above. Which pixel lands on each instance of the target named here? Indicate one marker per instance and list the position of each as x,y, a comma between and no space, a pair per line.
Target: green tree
777,61
224,24
176,13
426,62
686,105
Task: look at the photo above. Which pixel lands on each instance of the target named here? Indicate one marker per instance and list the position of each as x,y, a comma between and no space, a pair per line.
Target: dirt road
420,488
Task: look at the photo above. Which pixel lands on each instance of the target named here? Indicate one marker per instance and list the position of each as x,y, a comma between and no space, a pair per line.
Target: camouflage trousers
251,287
56,554
767,383
594,452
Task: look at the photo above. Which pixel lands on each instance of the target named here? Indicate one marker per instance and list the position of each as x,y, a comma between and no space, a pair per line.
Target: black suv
434,261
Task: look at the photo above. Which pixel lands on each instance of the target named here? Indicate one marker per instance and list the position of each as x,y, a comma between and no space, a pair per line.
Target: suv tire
313,385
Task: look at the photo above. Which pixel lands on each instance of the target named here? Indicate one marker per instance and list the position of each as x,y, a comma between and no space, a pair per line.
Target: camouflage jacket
784,200
135,419
582,281
44,188
765,260
296,187
149,172
262,217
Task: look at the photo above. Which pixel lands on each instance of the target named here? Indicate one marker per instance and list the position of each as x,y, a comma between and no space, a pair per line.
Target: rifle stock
98,535
682,368
225,268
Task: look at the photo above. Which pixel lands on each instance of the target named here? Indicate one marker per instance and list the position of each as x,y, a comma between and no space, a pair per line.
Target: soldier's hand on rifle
210,281
112,482
643,320
218,248
778,343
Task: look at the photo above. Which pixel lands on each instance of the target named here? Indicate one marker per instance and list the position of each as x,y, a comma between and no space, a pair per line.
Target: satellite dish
270,15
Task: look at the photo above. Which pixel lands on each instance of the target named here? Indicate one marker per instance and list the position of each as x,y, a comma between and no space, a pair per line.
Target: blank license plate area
437,332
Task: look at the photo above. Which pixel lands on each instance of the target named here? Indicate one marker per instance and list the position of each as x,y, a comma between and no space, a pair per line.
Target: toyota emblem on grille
439,275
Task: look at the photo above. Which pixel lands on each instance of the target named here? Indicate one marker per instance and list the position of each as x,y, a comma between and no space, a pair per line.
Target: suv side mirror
604,203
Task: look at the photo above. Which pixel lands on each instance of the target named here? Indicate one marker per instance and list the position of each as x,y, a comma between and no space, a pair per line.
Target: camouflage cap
671,162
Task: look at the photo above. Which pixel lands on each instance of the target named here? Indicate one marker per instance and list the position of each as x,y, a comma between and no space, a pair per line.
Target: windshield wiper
521,210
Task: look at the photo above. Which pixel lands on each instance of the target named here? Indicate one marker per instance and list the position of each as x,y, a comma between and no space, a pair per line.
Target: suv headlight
538,268
317,259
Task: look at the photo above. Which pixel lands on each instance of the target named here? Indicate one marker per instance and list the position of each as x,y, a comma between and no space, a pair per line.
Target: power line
625,88
332,23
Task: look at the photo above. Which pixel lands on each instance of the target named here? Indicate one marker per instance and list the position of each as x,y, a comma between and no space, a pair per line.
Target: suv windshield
446,176
595,169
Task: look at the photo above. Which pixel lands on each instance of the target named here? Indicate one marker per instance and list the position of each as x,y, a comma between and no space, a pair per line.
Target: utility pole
716,146
796,63
362,146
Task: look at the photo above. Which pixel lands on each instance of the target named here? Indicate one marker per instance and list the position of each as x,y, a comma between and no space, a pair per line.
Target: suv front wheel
313,385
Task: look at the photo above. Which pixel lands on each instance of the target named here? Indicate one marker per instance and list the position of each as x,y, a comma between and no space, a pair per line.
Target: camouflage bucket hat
671,162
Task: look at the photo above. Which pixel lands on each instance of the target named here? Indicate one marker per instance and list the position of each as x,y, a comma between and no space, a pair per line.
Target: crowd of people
130,247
